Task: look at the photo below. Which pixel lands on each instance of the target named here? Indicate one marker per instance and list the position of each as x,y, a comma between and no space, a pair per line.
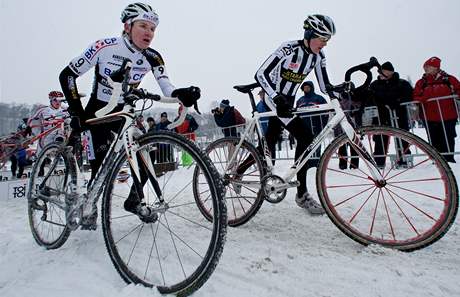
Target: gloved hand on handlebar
188,96
283,109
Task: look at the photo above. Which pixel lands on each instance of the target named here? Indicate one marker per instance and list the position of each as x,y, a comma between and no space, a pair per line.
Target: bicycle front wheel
46,197
243,193
412,208
177,249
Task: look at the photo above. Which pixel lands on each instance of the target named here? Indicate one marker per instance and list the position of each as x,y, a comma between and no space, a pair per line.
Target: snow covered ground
282,251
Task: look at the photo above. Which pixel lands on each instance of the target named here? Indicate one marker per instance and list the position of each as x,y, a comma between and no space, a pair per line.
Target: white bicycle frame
126,140
338,118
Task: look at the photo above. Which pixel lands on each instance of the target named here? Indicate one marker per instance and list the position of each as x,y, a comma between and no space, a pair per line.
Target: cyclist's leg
14,164
304,137
343,154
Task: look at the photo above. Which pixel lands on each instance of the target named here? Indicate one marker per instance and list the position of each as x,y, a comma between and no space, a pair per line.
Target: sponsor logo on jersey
294,65
119,58
98,45
107,91
143,69
291,76
114,64
138,76
139,62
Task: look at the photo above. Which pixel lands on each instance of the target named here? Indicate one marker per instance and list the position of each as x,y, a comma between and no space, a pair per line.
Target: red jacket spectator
435,85
188,127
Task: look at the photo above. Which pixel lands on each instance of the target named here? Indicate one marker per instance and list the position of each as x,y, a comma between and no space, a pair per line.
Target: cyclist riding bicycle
46,113
280,76
107,55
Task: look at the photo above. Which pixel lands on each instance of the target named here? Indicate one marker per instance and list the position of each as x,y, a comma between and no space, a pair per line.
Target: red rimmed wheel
412,208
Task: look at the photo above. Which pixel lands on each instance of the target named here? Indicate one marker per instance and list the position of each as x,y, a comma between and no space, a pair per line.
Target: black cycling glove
188,96
283,109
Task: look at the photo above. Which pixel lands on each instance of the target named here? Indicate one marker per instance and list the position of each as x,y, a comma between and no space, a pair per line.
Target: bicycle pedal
88,227
35,205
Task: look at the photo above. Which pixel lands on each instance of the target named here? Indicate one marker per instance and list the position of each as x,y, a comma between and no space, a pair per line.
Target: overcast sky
217,44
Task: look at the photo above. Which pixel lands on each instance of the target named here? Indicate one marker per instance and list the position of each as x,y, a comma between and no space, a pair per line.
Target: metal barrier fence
415,112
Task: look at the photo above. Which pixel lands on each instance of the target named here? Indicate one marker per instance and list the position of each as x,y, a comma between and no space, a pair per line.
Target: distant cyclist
280,76
107,55
40,120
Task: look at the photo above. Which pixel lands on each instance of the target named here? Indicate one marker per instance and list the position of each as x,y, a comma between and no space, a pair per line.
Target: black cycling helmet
318,25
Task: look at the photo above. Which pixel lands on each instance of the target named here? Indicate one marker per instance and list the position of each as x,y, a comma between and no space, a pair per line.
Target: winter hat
308,83
388,66
434,62
224,103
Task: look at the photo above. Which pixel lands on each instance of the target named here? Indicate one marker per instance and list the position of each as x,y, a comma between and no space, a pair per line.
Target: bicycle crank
275,188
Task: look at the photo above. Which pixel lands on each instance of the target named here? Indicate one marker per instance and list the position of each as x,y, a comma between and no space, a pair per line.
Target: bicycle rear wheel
48,181
413,208
178,249
243,201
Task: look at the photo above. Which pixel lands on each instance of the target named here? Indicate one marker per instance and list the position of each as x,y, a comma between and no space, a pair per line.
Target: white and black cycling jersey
285,70
107,55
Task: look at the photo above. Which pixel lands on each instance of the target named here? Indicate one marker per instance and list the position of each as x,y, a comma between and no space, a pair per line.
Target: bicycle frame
338,119
56,124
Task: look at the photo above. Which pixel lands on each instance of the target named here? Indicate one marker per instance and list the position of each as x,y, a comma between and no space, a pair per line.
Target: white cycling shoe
306,201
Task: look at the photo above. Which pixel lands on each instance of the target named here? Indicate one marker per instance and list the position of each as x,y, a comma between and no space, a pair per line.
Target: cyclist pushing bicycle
107,55
280,76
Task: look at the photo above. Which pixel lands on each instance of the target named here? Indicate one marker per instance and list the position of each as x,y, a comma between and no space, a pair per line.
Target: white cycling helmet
317,25
139,11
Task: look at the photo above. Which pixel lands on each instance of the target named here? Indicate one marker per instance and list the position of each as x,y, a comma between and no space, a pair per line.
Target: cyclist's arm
273,61
321,74
68,77
159,71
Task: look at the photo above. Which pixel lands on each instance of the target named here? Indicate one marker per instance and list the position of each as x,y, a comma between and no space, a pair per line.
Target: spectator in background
140,123
187,128
151,124
262,107
228,117
440,115
164,122
164,150
388,92
19,158
314,122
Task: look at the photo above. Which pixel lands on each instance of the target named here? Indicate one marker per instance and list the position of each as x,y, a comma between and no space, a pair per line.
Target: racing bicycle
402,195
166,243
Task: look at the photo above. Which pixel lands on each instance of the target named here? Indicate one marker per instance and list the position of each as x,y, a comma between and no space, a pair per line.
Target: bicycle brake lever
195,106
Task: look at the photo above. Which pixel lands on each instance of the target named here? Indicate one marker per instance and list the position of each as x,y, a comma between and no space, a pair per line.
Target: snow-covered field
282,251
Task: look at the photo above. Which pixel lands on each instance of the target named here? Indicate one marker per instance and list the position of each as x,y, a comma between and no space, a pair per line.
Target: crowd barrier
167,159
369,115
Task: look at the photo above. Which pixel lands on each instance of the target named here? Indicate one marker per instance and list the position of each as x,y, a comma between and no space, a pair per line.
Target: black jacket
226,119
391,92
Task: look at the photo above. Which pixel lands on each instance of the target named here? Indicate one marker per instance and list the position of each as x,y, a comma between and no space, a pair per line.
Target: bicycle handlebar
119,79
347,86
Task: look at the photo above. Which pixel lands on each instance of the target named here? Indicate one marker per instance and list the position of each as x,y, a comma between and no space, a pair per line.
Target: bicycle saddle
246,88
